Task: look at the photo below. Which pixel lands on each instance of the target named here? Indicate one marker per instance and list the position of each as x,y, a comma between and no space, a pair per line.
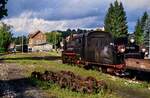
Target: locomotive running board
138,64
116,66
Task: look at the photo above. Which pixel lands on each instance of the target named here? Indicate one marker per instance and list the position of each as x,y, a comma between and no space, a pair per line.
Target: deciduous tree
54,37
5,37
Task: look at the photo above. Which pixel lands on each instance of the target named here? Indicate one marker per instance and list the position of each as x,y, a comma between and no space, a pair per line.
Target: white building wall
46,47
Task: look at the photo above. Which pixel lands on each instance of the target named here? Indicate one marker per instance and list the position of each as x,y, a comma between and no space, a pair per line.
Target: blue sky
46,15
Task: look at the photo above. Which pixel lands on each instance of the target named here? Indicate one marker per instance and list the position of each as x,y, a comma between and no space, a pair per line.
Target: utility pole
22,42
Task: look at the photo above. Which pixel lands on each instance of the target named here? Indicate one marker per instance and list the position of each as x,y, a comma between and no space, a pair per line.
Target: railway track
129,74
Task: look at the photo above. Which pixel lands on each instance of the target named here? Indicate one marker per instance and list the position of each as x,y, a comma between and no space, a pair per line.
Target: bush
5,37
2,50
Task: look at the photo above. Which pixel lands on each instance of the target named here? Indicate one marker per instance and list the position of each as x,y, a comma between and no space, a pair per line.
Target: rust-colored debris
67,79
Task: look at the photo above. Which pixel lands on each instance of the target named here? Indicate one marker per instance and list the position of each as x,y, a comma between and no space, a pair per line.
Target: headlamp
143,49
122,50
132,40
146,53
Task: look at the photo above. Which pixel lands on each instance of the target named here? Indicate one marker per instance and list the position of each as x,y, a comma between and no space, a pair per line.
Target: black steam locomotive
98,49
133,50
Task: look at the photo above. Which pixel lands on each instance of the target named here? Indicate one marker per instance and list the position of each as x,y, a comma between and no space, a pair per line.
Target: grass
54,53
115,84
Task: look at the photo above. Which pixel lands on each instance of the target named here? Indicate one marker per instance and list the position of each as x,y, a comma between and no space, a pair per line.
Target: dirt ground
14,85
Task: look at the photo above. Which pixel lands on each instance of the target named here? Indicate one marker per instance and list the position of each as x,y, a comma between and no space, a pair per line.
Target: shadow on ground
15,86
34,58
21,88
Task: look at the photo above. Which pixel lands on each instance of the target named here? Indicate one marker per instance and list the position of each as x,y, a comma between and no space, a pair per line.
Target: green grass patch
114,83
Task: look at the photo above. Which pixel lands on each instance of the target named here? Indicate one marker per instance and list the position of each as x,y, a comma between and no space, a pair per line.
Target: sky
27,16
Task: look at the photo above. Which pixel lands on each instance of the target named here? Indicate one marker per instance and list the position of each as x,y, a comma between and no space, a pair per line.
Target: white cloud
136,4
24,23
46,15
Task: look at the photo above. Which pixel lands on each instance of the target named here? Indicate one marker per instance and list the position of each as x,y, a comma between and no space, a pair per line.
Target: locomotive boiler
94,49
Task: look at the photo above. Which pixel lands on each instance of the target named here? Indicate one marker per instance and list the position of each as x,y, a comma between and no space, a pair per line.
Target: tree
139,38
18,40
115,20
5,37
139,29
147,34
5,34
3,10
54,38
143,20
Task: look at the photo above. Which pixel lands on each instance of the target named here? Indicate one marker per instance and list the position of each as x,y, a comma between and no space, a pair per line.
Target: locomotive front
134,51
71,51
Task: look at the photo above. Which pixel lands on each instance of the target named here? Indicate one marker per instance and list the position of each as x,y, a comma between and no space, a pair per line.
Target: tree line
55,37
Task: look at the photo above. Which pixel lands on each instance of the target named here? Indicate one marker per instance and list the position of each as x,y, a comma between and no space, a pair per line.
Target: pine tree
3,10
143,24
147,32
143,20
139,29
139,38
108,18
115,20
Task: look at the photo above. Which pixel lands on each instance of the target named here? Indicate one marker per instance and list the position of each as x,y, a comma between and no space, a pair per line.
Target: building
37,42
37,38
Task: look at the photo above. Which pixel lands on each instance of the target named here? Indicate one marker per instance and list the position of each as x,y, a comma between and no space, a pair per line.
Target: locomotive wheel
63,59
110,70
104,69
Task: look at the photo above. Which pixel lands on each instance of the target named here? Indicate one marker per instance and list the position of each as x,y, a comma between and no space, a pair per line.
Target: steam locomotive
98,49
134,51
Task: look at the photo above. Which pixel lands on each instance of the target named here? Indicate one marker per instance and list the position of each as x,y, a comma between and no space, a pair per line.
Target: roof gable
34,34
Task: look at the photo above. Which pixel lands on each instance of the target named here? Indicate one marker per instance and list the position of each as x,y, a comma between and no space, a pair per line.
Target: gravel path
15,85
